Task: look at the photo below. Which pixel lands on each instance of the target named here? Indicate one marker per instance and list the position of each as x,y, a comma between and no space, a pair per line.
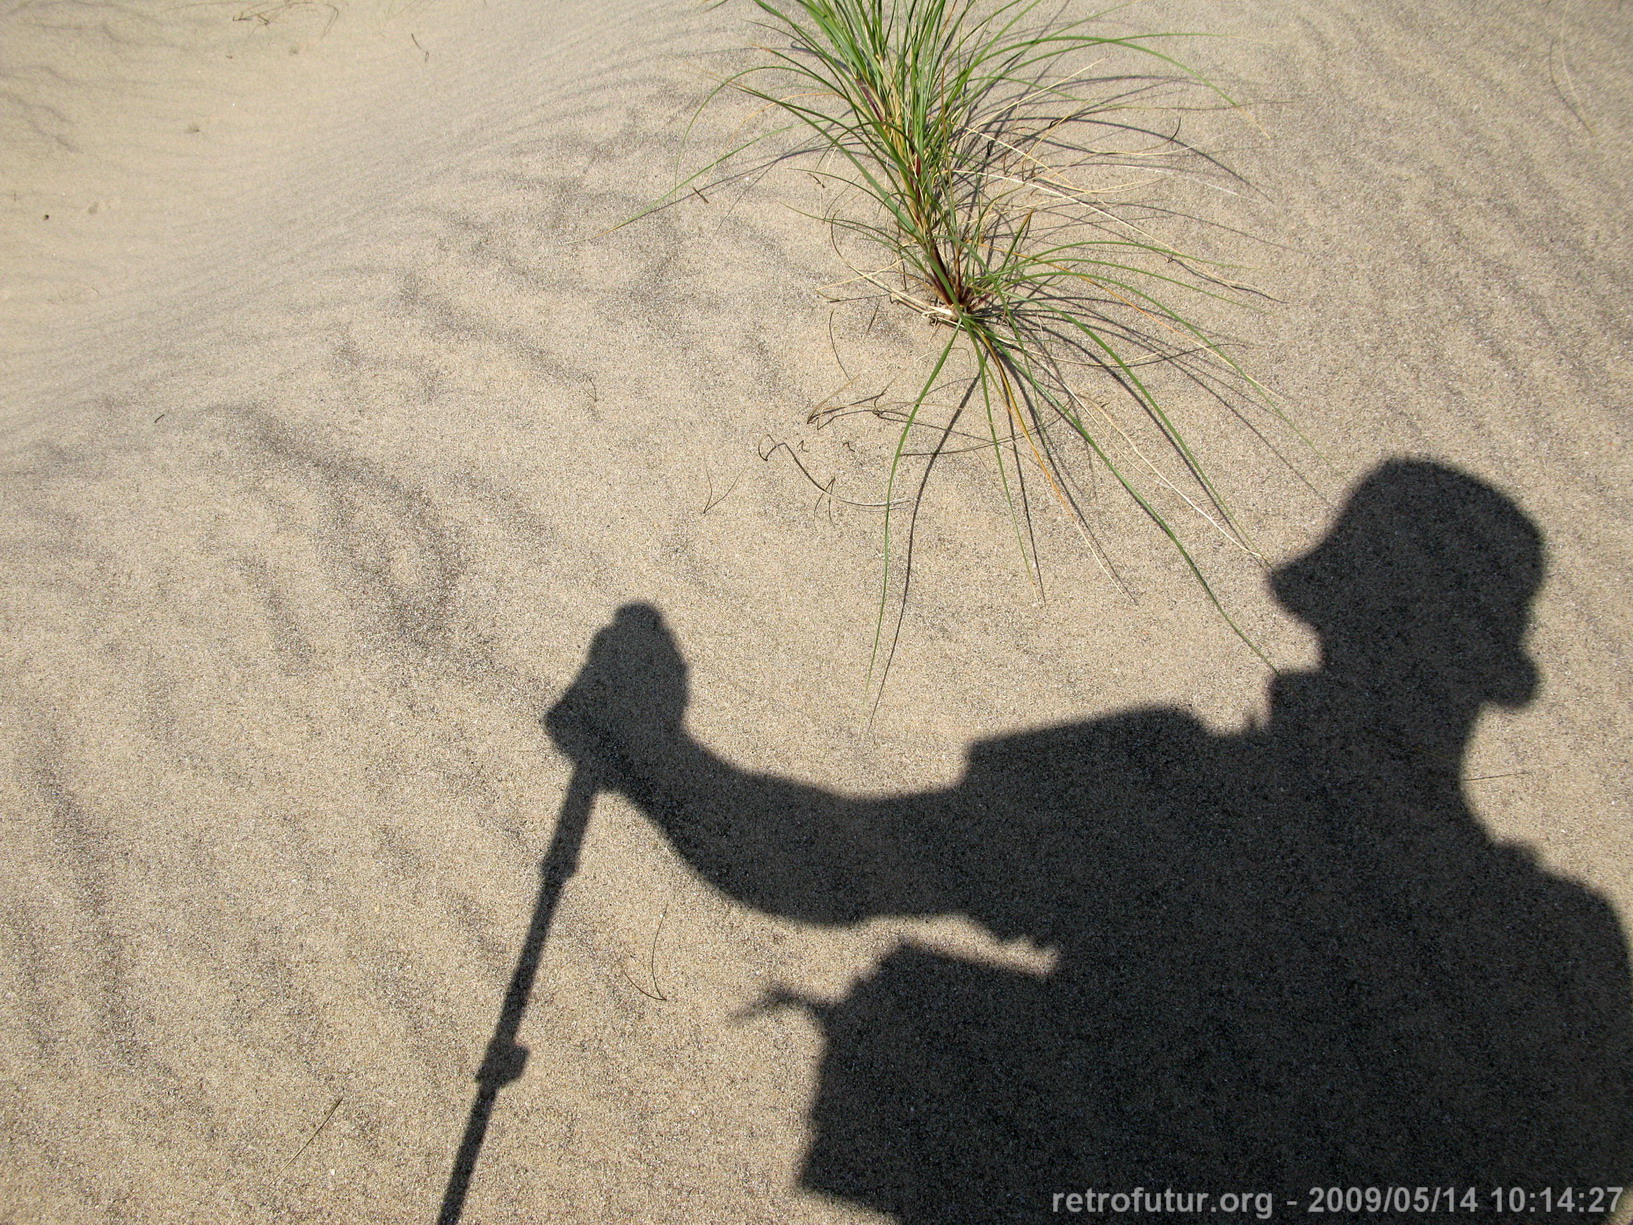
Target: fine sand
332,433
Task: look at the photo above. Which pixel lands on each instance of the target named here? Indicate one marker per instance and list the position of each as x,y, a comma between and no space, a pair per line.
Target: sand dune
332,435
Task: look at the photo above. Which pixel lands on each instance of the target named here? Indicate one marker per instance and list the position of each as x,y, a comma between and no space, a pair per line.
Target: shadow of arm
795,850
783,847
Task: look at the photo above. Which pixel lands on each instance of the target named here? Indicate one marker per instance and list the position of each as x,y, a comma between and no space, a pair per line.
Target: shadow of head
1425,581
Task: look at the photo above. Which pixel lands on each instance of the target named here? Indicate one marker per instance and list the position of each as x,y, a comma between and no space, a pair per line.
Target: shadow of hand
626,707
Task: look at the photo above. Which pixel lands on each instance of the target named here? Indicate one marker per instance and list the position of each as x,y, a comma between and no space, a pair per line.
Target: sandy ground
328,448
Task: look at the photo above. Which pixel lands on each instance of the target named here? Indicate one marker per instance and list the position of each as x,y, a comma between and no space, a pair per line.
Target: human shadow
1289,958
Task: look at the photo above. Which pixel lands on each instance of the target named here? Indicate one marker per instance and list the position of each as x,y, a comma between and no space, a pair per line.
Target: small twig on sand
657,992
315,1132
710,501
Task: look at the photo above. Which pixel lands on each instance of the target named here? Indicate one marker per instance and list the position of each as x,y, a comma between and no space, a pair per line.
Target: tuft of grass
961,135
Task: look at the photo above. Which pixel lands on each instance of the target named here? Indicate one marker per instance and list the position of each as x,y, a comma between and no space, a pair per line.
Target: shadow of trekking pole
505,1058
